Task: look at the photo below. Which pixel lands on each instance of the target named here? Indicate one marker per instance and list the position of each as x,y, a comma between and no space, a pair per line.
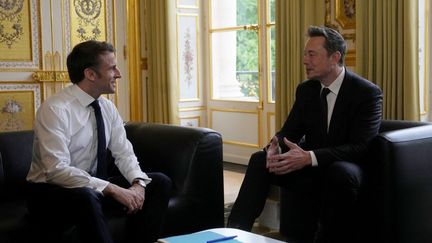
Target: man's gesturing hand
272,151
296,158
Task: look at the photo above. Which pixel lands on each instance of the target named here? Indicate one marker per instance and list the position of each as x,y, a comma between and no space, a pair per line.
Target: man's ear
336,56
90,74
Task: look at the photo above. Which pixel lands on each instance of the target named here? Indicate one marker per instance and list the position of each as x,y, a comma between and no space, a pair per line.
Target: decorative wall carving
88,20
187,57
11,26
51,76
18,103
19,35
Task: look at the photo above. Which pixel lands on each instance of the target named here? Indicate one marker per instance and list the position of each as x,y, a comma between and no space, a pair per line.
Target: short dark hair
84,55
333,40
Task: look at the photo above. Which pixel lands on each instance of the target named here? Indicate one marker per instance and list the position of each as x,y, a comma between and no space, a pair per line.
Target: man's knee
160,181
344,174
258,159
84,193
86,198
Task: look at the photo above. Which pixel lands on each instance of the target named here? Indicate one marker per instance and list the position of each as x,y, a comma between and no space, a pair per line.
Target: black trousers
323,201
56,209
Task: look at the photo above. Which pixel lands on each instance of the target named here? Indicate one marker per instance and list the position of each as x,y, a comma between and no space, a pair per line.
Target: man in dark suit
335,114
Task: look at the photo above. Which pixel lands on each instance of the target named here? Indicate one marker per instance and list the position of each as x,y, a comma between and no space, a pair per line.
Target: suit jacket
355,120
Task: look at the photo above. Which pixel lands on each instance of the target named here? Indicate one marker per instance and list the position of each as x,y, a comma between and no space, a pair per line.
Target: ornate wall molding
51,76
88,20
18,103
19,35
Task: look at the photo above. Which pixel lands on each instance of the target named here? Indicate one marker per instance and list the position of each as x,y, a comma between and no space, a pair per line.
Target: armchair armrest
402,160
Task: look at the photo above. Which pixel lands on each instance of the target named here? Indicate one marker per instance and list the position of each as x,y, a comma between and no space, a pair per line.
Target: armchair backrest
184,154
15,158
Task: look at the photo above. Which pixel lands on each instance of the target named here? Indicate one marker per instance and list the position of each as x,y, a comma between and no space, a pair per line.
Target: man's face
316,60
107,73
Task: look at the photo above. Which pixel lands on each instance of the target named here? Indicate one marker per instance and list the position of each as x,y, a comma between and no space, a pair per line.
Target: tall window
239,37
424,58
272,47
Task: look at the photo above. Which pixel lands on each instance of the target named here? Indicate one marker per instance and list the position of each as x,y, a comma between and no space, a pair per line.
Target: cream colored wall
192,103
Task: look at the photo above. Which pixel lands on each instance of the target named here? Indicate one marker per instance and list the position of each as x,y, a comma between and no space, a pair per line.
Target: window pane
272,10
272,88
230,13
247,12
235,65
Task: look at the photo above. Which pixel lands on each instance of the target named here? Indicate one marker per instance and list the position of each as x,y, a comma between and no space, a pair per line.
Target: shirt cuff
98,184
314,159
145,180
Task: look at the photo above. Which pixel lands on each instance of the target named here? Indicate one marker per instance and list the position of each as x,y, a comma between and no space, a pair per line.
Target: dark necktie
324,108
101,171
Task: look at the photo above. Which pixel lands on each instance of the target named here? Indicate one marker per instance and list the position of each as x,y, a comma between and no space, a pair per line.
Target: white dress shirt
334,88
65,142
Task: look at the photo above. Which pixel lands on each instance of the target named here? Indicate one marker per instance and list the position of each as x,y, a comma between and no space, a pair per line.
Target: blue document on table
199,237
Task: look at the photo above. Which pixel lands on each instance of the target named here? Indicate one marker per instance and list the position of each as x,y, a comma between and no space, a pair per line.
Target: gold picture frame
345,13
18,105
340,15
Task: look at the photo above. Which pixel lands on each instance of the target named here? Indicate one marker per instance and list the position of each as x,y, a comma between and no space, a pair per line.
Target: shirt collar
84,98
334,87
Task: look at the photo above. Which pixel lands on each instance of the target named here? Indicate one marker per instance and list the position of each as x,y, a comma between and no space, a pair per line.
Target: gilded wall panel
18,103
19,35
88,20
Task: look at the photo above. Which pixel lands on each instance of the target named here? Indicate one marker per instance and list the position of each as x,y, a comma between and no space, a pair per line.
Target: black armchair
396,202
191,157
399,192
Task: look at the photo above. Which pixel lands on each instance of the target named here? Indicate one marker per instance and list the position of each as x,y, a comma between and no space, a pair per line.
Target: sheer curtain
162,98
293,17
387,53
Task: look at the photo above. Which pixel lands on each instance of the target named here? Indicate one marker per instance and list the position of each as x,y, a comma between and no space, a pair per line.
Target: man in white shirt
70,185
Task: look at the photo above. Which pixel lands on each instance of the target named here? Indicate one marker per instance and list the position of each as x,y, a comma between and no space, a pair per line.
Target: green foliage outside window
247,49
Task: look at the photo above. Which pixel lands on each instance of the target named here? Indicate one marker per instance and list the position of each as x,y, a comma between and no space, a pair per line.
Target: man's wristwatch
140,182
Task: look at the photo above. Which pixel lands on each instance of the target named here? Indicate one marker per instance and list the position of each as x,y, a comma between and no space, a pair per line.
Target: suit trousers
322,201
57,210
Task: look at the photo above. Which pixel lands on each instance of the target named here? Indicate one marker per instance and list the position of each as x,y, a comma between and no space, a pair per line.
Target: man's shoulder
59,99
359,88
358,81
309,85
